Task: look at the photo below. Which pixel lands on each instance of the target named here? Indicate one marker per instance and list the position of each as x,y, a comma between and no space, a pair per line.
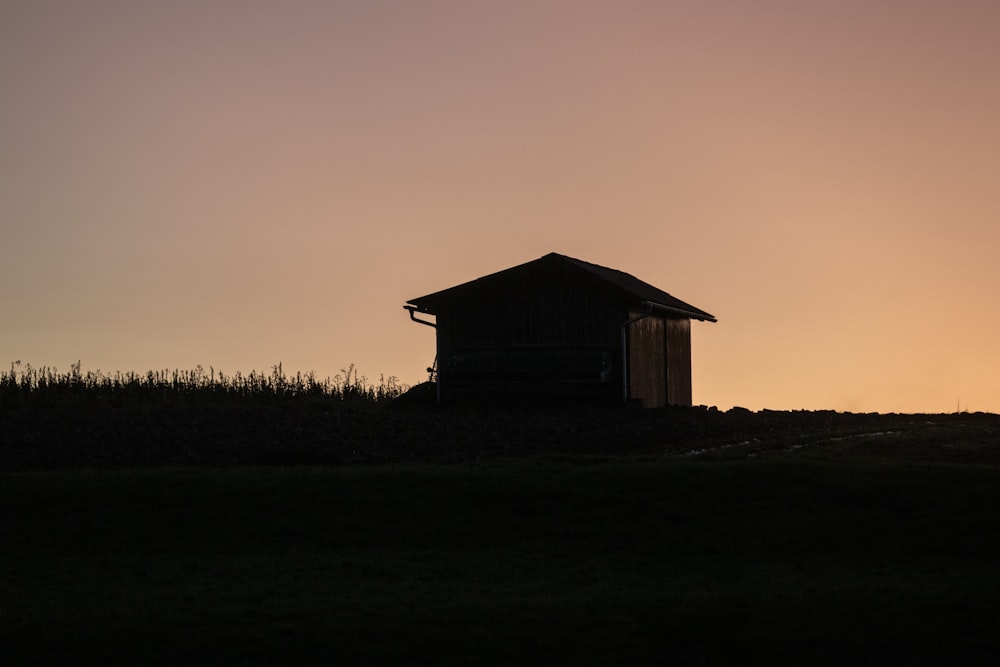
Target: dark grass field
852,550
186,519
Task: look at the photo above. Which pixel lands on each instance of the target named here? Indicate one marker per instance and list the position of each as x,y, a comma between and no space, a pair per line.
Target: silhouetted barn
561,330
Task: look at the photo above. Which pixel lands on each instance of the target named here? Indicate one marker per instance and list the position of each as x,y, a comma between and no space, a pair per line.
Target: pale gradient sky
238,183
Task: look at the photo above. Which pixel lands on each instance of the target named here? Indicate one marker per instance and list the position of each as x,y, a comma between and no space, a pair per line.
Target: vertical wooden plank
678,356
647,365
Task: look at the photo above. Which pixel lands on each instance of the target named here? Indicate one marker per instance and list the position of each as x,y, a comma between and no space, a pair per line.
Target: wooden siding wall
678,353
550,315
538,311
659,359
647,348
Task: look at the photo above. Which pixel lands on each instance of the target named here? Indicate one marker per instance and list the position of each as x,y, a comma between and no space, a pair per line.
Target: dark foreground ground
623,537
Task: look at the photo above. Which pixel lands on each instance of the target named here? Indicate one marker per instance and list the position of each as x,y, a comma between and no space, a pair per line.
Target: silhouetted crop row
25,384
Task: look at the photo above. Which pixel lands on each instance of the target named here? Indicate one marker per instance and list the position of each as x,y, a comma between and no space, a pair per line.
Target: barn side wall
647,377
678,366
539,339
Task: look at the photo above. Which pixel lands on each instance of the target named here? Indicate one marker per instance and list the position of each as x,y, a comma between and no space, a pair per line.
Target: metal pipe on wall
412,310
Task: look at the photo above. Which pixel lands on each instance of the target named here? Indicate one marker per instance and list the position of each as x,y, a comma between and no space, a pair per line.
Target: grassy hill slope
572,560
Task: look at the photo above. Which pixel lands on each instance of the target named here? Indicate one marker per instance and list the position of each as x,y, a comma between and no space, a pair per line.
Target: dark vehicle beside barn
560,330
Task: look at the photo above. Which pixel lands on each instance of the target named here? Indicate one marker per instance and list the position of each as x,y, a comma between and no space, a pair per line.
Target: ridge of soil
108,433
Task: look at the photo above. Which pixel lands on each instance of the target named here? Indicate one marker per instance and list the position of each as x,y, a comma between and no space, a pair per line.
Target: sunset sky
237,183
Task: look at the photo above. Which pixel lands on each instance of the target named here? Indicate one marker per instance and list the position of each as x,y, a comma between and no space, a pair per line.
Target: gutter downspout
625,326
437,382
413,316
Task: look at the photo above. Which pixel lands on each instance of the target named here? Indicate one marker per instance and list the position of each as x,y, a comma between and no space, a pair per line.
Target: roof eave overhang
415,305
672,311
680,312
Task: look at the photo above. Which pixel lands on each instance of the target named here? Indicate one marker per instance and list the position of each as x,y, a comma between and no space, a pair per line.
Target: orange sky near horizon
241,183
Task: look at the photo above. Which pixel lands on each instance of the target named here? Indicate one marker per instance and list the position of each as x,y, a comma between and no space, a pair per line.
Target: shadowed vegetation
139,526
30,385
96,420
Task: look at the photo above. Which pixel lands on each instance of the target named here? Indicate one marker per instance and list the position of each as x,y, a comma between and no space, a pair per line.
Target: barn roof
631,288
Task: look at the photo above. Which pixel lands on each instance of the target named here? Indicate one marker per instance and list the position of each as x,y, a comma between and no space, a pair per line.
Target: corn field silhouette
26,384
